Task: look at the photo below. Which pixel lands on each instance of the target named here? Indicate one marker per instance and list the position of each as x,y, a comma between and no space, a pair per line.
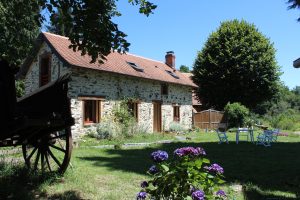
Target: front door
156,117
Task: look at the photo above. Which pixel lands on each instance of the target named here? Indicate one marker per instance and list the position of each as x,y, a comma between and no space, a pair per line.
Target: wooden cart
40,122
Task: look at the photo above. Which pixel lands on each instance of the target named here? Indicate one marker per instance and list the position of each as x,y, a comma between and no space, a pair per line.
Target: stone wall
114,88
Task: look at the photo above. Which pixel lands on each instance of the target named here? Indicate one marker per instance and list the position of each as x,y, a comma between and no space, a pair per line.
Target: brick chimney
170,59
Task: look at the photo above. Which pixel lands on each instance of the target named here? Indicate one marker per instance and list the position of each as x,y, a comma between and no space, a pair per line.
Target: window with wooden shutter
92,108
91,111
44,70
176,113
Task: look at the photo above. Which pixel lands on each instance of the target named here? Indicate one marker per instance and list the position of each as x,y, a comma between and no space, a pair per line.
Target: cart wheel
51,153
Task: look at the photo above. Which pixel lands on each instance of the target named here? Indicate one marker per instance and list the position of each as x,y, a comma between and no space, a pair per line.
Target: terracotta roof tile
117,63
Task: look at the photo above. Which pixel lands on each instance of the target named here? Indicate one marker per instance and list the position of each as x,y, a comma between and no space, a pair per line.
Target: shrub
188,175
20,88
122,116
176,127
137,128
287,120
236,114
252,119
108,130
119,124
285,123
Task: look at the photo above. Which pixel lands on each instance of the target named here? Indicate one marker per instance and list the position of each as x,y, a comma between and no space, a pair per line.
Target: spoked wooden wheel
51,153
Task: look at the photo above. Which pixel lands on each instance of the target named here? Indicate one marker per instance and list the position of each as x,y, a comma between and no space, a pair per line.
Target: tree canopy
92,30
57,25
236,64
18,29
293,4
184,69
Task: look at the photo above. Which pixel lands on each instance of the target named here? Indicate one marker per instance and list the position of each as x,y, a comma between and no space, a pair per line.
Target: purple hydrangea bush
187,175
159,156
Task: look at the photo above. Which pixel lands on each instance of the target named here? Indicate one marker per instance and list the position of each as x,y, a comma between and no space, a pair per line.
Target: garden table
247,131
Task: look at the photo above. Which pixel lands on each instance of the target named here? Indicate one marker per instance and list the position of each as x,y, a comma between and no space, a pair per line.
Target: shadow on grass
276,168
68,195
251,193
16,182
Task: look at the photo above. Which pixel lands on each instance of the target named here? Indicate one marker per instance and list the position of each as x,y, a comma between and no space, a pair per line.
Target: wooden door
156,117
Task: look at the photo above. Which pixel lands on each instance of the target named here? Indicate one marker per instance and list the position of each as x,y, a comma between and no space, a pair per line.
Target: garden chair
275,135
222,136
265,138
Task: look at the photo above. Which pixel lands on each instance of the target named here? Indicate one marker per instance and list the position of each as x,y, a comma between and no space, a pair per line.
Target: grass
148,138
264,173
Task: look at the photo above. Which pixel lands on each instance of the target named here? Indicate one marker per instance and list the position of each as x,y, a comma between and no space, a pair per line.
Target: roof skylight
135,66
172,74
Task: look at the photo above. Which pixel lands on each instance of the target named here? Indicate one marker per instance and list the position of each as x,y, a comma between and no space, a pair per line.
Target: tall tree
236,64
57,24
92,30
294,4
296,90
184,69
18,29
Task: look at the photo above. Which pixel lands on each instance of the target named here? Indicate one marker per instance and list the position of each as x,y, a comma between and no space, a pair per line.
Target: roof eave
116,73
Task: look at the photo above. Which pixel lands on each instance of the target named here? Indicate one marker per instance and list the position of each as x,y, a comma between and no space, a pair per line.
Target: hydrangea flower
215,168
159,156
144,184
153,170
189,151
141,196
198,195
221,193
200,151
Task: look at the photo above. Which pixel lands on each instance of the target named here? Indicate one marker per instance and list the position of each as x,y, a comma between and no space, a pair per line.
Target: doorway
156,116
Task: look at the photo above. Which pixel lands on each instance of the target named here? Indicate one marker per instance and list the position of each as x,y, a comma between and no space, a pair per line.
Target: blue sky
184,26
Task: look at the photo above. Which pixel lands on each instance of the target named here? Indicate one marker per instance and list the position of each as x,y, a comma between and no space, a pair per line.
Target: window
164,89
172,74
136,67
133,109
176,113
91,111
44,70
91,108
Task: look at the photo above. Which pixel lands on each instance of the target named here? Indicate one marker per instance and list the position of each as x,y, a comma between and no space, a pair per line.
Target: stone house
162,94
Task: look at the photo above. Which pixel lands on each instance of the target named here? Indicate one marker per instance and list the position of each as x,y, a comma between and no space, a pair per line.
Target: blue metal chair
222,136
265,138
275,135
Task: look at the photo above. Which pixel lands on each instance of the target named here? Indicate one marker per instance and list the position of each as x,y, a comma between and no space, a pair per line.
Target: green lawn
264,173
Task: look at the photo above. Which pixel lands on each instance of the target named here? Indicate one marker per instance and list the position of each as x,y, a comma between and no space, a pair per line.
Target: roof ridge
111,51
145,58
48,33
